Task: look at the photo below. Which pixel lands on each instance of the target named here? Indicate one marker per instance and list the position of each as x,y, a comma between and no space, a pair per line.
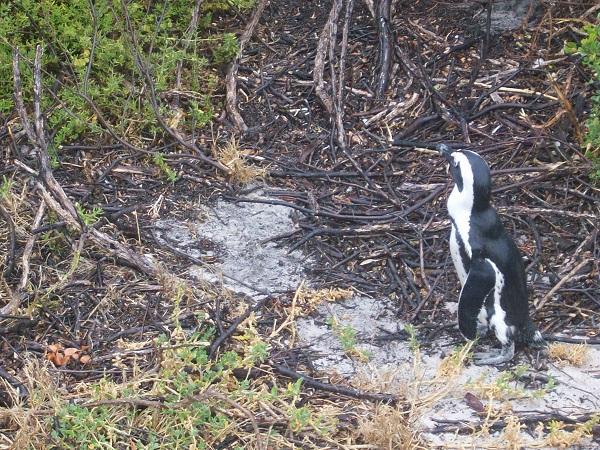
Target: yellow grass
233,157
574,354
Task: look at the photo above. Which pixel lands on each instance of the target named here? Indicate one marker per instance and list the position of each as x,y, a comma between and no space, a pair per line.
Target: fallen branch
236,323
339,92
51,191
386,54
18,296
12,243
335,388
230,79
462,427
558,285
325,41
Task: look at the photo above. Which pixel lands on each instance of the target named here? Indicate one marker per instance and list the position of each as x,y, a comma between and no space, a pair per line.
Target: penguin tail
531,336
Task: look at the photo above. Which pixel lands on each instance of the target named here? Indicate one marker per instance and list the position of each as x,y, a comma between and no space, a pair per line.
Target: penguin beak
445,152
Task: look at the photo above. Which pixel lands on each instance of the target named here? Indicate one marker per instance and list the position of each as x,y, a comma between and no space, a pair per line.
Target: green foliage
413,342
82,428
5,186
299,418
227,50
225,5
89,57
159,160
589,49
89,217
346,334
259,352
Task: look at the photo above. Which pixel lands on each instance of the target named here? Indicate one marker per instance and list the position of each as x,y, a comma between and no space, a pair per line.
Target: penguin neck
460,207
460,203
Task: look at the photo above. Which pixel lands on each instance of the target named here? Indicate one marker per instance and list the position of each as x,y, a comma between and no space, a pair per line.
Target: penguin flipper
480,282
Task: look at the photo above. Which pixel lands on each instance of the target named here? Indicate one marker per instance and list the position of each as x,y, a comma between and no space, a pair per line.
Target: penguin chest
459,258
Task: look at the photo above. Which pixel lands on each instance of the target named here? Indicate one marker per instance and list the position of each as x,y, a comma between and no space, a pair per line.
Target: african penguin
488,262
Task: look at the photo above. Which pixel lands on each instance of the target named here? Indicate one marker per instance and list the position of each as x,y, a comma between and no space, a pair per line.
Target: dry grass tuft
233,157
27,422
390,428
511,437
568,353
309,299
559,437
453,364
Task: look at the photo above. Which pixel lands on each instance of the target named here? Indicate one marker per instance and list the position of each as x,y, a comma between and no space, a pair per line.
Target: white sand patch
237,235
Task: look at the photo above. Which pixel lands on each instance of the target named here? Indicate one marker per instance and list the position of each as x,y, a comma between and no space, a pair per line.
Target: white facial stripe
460,203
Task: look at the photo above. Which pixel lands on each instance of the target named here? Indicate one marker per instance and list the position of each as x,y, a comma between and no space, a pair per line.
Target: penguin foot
482,329
506,354
538,341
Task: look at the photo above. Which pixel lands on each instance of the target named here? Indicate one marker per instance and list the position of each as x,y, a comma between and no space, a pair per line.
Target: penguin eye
455,163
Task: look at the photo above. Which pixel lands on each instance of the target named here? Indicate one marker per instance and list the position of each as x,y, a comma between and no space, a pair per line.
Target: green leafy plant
227,50
589,49
5,187
89,63
159,160
89,217
346,334
413,342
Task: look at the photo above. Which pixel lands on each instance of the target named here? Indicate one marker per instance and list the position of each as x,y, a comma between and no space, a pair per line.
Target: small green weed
227,50
89,217
413,342
80,427
346,334
159,160
299,418
507,384
5,187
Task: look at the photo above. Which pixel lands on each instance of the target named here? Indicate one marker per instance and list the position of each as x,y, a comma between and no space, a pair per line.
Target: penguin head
470,170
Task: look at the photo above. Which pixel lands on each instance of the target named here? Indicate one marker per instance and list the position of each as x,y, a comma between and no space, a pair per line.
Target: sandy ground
236,239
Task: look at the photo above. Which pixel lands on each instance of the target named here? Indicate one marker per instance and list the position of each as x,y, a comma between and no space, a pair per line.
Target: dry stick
101,239
219,341
52,193
230,79
39,216
38,139
189,32
461,427
333,31
558,285
339,101
12,245
151,93
18,296
385,47
568,106
335,388
322,47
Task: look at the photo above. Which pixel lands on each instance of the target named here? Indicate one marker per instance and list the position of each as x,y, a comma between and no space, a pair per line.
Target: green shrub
88,55
589,49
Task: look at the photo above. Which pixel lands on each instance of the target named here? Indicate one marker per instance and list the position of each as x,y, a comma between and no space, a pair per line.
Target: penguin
487,261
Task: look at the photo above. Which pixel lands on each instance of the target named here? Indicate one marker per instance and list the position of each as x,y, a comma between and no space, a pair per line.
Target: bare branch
230,79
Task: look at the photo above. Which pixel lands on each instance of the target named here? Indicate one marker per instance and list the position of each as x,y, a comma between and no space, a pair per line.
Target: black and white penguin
489,265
